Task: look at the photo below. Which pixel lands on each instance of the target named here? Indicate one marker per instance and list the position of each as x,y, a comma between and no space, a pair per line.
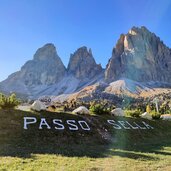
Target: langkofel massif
140,60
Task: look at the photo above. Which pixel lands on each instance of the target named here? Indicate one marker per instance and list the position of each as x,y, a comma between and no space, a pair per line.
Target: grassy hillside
101,148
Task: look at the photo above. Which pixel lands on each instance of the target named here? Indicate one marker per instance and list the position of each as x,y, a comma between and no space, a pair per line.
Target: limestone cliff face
139,55
46,68
46,74
82,64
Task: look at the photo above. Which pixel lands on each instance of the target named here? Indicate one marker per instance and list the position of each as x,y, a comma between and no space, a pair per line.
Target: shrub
168,111
155,115
164,108
99,109
133,113
8,102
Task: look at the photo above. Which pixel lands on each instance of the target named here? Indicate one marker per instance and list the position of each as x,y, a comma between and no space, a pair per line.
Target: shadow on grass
15,141
132,155
162,153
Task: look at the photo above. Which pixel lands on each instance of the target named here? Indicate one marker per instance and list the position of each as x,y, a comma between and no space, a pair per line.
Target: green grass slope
101,148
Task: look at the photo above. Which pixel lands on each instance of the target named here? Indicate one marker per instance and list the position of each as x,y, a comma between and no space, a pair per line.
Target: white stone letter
44,123
147,125
123,124
71,123
56,122
87,128
112,122
131,125
26,122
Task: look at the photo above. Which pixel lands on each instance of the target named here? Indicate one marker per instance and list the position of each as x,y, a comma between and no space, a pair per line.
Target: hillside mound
95,140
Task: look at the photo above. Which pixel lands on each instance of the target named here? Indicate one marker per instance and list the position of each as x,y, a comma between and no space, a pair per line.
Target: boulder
81,110
146,116
26,107
38,106
117,112
165,117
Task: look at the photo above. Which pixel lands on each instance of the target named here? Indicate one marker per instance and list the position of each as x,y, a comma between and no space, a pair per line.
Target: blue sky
26,25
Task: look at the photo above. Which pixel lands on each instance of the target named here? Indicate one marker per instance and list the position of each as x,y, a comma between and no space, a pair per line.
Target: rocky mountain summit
82,64
46,67
45,74
141,56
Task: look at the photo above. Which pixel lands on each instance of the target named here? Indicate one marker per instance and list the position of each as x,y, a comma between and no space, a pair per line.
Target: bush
133,113
168,112
99,109
164,108
8,102
155,115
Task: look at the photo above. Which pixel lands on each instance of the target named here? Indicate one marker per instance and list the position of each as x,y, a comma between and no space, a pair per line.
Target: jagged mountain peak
135,30
141,56
83,52
45,74
82,64
46,68
82,48
138,55
47,52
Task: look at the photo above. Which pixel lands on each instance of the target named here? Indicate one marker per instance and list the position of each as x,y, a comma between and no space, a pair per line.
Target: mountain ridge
45,74
138,55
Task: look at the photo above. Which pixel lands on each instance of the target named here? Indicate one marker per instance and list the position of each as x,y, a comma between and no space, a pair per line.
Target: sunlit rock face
82,64
139,55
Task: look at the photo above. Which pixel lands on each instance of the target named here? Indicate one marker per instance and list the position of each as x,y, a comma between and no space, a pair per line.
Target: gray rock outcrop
141,56
82,64
138,55
46,68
